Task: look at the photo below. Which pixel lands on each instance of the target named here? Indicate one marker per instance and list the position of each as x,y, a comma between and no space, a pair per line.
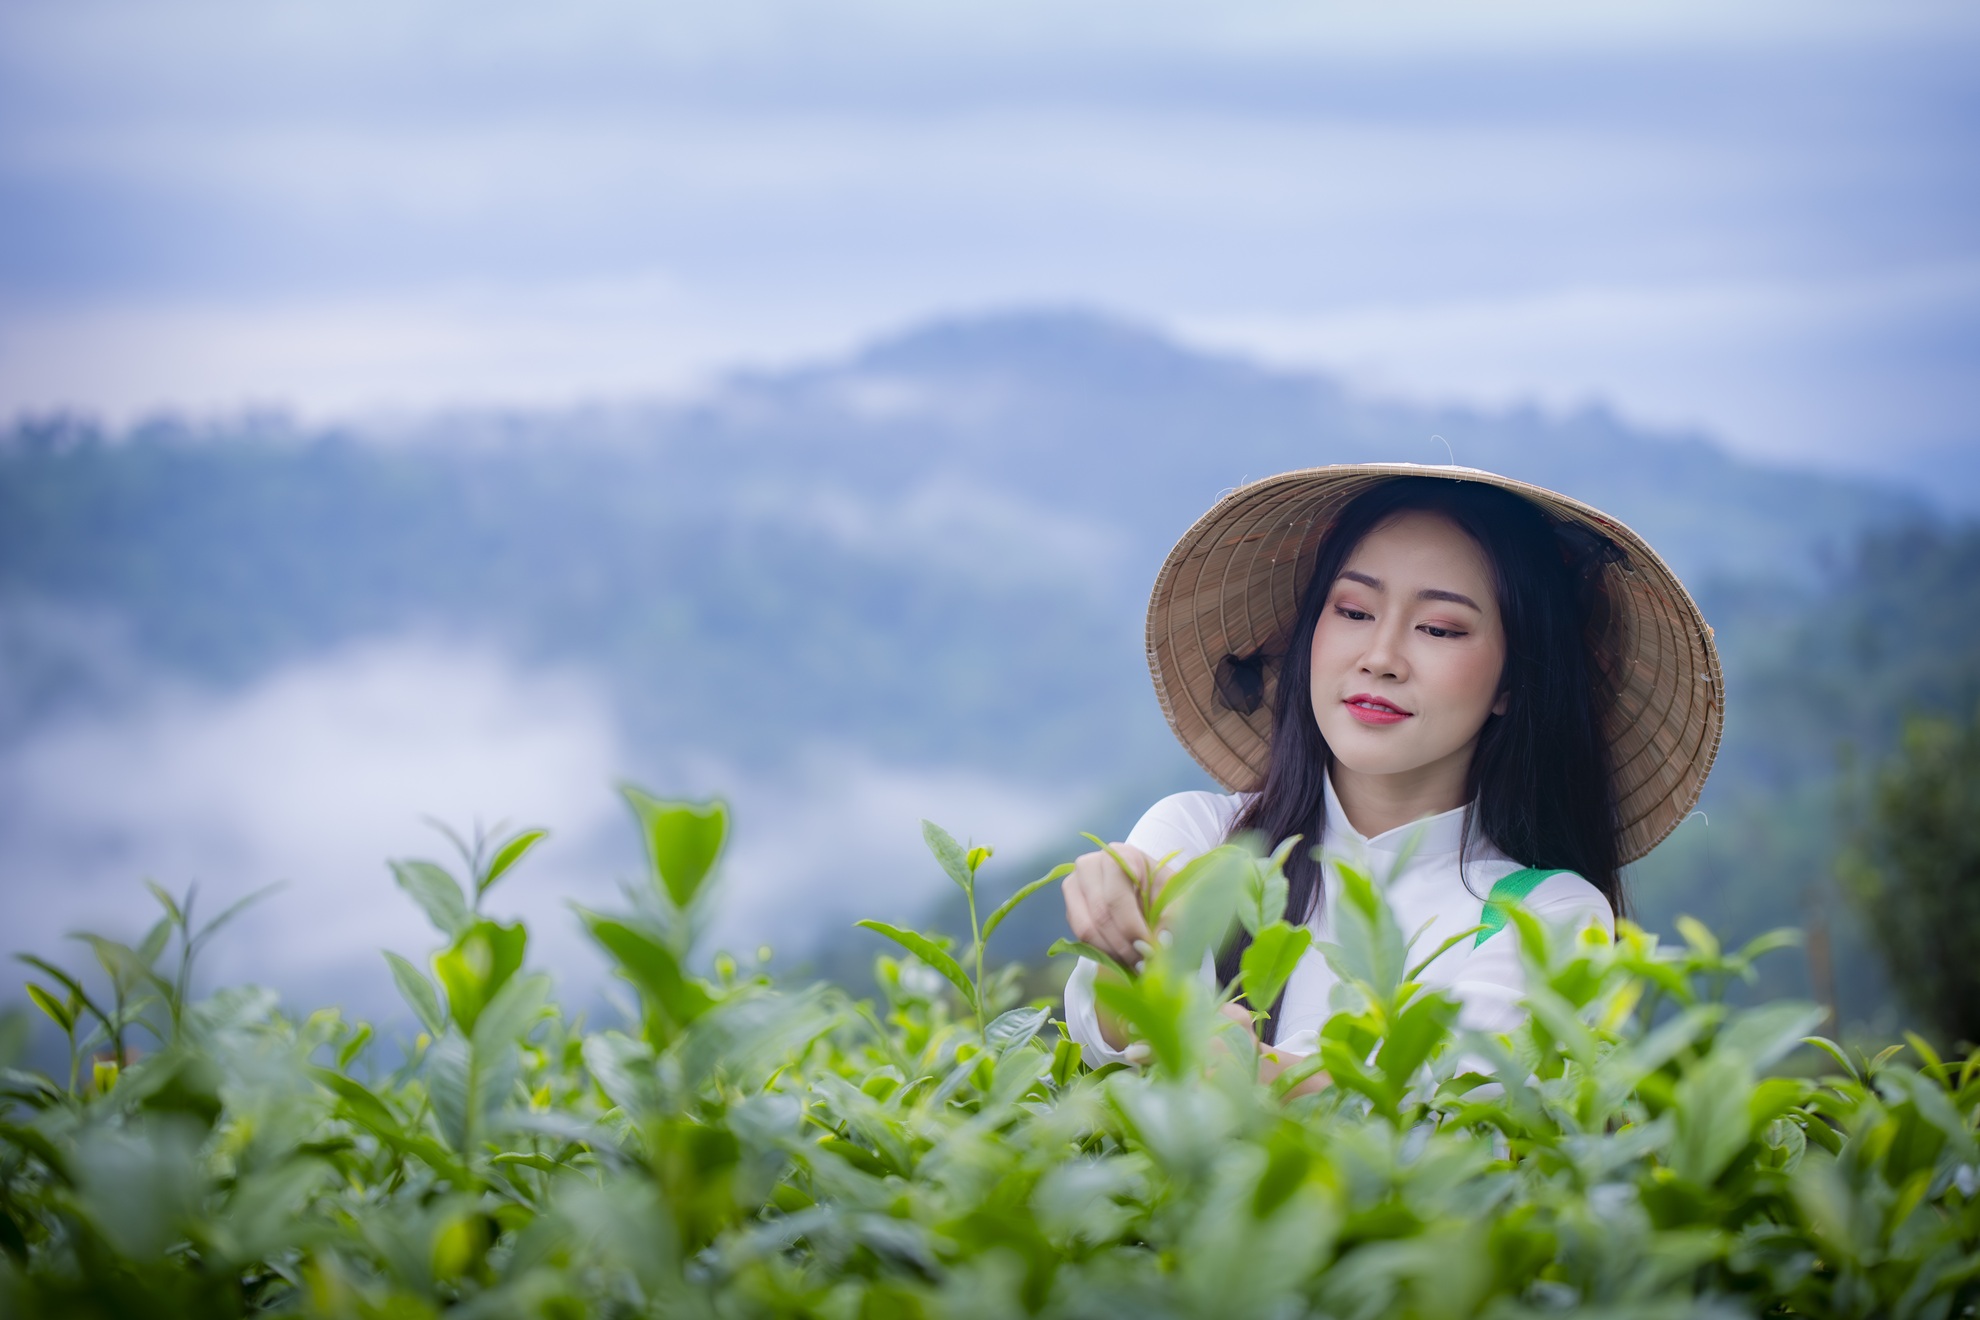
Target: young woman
1455,680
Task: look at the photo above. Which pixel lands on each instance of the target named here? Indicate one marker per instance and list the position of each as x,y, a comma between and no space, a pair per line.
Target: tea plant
739,1149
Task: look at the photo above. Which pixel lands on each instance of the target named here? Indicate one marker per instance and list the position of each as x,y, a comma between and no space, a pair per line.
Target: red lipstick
1371,709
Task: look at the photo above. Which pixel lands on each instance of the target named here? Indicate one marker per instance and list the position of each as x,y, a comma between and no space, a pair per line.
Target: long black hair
1540,785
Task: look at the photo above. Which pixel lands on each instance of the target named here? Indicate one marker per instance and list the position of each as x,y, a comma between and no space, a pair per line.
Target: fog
311,778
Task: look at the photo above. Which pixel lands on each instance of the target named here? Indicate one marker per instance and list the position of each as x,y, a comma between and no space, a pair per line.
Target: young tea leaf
1413,1038
683,839
166,901
477,966
954,861
53,1007
1269,961
1065,1061
1262,899
507,856
69,983
355,1045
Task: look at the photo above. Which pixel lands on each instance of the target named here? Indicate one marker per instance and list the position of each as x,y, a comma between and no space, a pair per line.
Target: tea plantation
737,1148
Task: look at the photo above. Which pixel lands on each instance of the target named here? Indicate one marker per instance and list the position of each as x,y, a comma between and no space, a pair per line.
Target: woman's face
1409,652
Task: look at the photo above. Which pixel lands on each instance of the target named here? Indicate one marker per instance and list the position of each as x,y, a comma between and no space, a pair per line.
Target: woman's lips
1374,710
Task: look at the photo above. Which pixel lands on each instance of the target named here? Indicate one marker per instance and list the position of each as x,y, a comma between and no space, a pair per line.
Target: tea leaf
1263,897
419,994
930,953
438,895
1065,1061
1009,1030
683,839
1712,1119
53,1007
1268,963
476,967
166,901
1009,905
954,861
507,856
1417,1032
652,966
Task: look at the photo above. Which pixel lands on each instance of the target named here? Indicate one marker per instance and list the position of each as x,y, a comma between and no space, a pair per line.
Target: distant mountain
936,551
939,547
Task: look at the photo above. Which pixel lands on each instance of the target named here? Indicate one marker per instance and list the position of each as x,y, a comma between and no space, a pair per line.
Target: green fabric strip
1508,891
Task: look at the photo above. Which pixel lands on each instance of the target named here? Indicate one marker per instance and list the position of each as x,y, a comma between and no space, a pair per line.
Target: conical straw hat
1232,586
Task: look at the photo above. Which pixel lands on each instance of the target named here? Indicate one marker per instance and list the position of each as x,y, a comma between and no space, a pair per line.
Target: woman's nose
1384,656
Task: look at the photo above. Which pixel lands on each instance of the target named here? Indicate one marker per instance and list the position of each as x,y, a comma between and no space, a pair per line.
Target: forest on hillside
937,552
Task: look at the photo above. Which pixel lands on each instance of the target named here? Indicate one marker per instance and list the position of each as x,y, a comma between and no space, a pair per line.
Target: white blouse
1428,893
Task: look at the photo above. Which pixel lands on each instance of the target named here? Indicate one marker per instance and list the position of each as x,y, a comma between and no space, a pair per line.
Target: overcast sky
1758,218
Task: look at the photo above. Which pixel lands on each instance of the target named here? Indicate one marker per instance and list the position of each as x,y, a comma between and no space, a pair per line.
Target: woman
1461,682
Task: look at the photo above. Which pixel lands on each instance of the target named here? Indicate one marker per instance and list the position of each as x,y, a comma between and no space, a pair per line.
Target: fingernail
1137,1052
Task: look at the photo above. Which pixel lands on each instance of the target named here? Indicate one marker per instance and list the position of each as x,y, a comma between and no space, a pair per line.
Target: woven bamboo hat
1230,591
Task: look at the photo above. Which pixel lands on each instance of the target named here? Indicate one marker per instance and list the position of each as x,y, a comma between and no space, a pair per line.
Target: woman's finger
1079,918
1123,925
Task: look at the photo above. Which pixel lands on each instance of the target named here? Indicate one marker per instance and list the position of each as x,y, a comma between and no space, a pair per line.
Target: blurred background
446,410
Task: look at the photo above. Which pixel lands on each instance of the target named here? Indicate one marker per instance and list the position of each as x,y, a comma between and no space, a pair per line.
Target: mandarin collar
1432,836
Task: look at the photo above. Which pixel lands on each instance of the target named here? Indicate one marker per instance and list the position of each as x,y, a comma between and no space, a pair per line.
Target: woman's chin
1376,752
1364,752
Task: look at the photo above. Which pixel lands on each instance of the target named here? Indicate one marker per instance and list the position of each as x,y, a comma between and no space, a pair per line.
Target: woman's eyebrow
1428,593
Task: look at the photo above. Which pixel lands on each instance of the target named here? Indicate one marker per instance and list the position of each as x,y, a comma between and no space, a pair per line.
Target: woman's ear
1505,700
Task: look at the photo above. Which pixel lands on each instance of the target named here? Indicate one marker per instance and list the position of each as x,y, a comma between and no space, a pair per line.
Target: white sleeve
1083,1020
1181,827
1493,979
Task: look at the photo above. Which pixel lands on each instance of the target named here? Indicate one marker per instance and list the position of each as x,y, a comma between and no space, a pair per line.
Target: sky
1757,220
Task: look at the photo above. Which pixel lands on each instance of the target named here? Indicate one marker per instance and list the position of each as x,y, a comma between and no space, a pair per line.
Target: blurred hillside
937,553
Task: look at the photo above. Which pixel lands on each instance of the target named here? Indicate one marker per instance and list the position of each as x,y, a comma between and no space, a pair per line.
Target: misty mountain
936,551
941,545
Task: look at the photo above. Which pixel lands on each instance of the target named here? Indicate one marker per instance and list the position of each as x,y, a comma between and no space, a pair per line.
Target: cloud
311,778
316,775
839,838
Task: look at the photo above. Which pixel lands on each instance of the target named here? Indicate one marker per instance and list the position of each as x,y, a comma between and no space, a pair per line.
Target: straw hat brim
1231,588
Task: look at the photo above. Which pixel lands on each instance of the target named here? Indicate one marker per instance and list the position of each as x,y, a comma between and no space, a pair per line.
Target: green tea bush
738,1149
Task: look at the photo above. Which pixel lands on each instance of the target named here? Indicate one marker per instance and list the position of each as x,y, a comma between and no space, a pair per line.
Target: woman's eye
1350,612
1435,631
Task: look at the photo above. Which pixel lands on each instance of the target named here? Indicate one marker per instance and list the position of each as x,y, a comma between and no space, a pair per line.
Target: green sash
1508,891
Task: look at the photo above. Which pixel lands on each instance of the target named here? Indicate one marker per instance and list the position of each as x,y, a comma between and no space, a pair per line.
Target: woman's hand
1104,905
1104,902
